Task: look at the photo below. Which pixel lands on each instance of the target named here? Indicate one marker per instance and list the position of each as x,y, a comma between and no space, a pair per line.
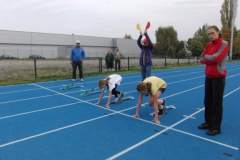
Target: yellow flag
138,27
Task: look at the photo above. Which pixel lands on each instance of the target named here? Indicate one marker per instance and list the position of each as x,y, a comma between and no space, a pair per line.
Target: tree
199,40
181,52
237,45
226,19
227,14
166,42
202,34
127,36
195,46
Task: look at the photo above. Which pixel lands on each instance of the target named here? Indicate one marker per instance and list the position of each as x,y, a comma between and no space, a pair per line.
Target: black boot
213,132
203,126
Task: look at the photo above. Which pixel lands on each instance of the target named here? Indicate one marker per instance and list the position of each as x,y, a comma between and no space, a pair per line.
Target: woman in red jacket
214,57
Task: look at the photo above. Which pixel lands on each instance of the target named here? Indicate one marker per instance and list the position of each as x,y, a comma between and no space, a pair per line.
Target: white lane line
172,70
72,92
187,133
26,99
163,131
60,106
147,139
189,117
39,110
34,111
90,120
80,84
65,127
44,109
72,125
54,130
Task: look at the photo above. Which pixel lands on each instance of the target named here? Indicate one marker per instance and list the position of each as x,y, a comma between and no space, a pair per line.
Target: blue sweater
77,55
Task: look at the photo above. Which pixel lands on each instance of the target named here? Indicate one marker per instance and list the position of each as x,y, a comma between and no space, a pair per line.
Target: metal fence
20,70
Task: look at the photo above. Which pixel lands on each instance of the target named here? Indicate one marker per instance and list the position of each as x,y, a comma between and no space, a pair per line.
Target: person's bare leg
156,109
140,97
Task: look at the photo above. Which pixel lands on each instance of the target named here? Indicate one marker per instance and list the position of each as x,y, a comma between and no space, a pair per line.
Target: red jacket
214,56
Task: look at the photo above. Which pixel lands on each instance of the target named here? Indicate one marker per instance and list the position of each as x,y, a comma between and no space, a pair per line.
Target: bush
7,57
36,57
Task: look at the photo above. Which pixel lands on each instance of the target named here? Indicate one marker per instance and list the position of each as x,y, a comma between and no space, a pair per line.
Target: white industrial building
24,44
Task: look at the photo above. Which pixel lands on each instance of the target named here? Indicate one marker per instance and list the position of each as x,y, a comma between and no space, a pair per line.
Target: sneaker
116,100
203,126
151,114
160,111
161,108
164,102
81,79
120,96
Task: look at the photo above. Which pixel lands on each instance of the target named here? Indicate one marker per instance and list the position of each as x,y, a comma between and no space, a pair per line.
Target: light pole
31,43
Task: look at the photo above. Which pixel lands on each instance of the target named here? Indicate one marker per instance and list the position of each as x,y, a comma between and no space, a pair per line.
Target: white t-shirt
114,79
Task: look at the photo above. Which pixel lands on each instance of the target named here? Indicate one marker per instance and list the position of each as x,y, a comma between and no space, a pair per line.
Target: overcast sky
109,18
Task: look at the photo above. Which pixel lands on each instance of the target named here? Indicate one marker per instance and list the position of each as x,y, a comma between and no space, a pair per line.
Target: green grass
54,74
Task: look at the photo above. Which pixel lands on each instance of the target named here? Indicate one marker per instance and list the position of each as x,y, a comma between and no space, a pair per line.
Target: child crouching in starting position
111,83
154,87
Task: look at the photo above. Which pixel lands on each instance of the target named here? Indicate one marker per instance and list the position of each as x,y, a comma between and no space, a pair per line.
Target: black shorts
162,90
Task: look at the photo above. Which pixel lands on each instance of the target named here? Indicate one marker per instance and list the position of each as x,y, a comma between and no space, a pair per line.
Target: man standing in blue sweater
77,56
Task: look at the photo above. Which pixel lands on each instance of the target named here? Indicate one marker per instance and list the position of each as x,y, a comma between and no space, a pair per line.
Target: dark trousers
76,65
117,65
146,71
115,92
213,100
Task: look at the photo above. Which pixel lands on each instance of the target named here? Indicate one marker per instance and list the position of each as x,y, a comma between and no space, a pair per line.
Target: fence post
165,61
100,64
35,68
178,61
188,60
128,63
